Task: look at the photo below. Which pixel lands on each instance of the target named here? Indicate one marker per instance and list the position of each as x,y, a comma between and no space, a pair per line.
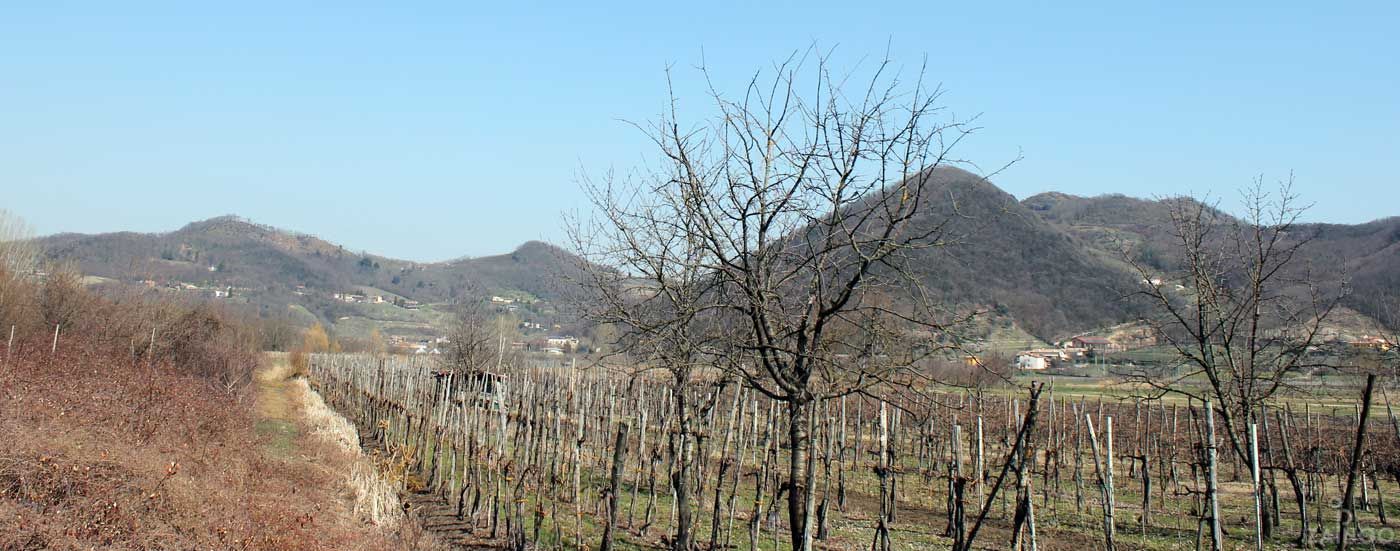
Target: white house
1031,363
566,342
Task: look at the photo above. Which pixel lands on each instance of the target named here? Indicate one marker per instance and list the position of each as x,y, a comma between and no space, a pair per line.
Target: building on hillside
1092,344
1052,354
1374,342
567,342
1028,362
1071,352
1041,358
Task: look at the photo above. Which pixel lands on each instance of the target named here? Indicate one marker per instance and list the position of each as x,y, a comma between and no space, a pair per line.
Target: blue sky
433,131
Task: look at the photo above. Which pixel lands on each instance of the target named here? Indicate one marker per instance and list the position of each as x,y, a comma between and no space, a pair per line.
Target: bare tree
1241,312
773,241
18,254
646,274
474,337
18,258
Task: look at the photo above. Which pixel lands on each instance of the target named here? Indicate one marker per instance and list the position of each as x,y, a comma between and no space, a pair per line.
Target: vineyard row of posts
564,458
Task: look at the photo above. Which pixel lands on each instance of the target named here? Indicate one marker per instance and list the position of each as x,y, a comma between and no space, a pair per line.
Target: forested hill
1048,265
1366,256
271,267
1006,259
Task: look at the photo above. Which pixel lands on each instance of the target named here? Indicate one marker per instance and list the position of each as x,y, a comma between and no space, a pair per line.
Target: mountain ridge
1049,264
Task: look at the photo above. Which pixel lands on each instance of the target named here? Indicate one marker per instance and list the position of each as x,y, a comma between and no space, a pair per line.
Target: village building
1092,344
564,343
1041,358
1031,363
1372,342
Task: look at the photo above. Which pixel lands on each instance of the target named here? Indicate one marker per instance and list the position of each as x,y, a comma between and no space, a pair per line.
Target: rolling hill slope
1015,264
1047,266
272,269
1366,255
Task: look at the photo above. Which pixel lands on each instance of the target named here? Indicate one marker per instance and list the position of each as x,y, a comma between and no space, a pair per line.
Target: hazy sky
435,131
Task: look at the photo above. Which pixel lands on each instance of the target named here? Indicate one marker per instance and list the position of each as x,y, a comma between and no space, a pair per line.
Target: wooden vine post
1348,513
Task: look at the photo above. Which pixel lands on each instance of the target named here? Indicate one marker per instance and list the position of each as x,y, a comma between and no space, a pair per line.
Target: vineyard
584,459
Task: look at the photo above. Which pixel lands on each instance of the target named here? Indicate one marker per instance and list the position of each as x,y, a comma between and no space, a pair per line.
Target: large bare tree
1243,310
771,240
645,274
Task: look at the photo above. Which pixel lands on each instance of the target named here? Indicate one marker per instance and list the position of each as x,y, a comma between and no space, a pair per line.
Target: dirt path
296,421
278,405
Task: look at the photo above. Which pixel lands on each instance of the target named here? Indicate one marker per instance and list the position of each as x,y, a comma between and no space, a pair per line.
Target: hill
1367,255
1004,258
271,269
1045,268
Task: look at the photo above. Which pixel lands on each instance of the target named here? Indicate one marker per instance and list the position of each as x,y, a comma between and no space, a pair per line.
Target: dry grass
374,497
105,448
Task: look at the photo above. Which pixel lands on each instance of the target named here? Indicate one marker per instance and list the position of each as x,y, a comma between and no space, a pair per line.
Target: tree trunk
799,413
680,479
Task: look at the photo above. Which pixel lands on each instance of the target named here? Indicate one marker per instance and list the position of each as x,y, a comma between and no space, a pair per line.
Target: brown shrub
985,372
115,443
300,362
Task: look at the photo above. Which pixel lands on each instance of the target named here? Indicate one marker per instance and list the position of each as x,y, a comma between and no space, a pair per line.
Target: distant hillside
1015,264
1367,254
1046,267
272,268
